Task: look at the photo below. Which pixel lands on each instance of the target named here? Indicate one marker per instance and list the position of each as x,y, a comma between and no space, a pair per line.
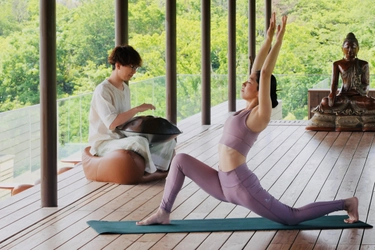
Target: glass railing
20,129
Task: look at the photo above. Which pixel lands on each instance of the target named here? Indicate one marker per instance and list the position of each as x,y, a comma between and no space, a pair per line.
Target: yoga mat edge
221,225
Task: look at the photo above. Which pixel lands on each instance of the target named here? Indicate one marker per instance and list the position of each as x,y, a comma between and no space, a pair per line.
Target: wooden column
206,62
171,62
231,55
48,113
252,29
268,13
121,22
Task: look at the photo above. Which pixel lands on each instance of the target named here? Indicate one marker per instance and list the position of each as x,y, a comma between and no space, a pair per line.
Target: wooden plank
131,211
281,185
32,214
214,241
75,222
366,191
35,234
306,240
351,179
33,194
146,240
291,193
299,142
328,239
262,162
286,154
222,240
303,175
27,212
237,240
283,239
260,240
310,191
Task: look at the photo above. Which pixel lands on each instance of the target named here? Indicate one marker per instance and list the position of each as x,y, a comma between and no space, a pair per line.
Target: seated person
110,108
352,98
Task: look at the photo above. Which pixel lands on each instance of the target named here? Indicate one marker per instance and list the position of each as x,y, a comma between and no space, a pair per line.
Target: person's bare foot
158,175
160,217
351,206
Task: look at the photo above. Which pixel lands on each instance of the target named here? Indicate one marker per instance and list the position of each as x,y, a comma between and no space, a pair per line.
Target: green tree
85,36
20,68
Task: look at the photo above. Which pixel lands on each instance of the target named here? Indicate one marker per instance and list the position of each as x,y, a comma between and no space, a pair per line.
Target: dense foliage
85,35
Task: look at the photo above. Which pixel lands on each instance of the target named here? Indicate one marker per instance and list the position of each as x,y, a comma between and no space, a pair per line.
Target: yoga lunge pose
234,182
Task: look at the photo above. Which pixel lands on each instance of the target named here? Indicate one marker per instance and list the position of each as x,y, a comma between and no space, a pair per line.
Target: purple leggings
240,187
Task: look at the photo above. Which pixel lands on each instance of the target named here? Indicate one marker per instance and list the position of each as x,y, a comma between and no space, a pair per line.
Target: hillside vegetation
85,35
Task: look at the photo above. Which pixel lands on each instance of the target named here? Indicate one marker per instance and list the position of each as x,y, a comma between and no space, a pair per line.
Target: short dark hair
273,90
125,55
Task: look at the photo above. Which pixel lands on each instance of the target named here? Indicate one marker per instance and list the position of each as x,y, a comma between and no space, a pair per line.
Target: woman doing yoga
234,182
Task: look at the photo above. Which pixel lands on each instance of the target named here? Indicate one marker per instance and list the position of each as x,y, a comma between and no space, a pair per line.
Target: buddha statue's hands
331,99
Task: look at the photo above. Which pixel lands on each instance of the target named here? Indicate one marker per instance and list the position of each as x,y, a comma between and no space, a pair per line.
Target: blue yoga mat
220,225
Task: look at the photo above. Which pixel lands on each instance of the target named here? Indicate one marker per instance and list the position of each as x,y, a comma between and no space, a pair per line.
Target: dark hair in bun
273,91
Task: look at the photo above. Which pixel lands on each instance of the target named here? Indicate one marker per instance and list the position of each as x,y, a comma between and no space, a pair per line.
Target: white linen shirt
107,102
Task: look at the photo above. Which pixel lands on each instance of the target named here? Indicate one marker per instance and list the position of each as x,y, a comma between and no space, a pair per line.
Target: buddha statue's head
350,46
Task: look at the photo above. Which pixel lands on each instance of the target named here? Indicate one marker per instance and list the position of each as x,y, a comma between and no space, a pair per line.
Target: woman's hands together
271,28
280,28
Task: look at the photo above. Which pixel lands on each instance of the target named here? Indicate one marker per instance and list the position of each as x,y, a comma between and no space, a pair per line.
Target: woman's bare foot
351,206
160,217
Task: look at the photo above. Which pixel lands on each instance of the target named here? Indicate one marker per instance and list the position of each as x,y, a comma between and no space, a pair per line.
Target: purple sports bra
236,134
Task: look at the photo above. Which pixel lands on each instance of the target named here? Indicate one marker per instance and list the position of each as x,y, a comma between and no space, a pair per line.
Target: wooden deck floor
295,165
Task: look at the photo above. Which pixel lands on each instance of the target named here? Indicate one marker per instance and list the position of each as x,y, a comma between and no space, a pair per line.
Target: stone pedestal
332,122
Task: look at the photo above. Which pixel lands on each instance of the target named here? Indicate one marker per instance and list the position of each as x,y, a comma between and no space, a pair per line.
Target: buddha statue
350,108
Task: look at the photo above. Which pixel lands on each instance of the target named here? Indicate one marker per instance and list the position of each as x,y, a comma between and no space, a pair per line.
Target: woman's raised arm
263,112
266,46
